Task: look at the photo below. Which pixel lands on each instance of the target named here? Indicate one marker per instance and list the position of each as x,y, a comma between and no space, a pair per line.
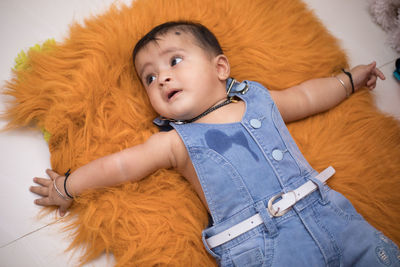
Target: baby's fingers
372,82
40,190
43,189
44,201
380,74
42,181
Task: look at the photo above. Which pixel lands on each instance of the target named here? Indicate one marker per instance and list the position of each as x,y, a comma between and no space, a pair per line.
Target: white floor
28,241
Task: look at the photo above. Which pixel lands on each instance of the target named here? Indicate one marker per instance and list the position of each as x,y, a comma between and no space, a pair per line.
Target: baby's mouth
172,93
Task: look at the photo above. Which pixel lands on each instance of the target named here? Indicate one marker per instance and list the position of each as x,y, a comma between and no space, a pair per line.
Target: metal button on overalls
255,123
277,155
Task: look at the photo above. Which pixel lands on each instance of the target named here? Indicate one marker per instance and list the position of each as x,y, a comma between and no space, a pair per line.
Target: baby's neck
230,113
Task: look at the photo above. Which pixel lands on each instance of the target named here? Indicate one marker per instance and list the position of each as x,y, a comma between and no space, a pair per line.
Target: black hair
203,36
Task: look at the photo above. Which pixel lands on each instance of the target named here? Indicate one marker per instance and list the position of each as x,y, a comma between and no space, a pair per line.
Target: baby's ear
222,66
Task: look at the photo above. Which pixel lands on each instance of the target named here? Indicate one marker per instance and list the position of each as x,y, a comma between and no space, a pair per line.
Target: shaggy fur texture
85,92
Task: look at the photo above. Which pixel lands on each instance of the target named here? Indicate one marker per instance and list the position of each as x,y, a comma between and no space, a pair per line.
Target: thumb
62,211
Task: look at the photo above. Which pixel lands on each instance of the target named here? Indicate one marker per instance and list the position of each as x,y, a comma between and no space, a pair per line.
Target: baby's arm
318,95
131,164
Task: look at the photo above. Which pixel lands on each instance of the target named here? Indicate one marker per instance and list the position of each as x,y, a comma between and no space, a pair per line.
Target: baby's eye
150,79
175,60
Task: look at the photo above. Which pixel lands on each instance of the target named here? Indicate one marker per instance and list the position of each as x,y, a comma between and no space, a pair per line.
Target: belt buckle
278,213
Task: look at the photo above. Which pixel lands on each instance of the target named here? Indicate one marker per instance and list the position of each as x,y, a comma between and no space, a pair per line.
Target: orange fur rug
84,91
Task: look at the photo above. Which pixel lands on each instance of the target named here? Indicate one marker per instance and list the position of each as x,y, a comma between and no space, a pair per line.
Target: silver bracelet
344,86
58,191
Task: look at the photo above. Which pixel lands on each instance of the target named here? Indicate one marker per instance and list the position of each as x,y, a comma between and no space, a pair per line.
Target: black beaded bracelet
351,80
67,174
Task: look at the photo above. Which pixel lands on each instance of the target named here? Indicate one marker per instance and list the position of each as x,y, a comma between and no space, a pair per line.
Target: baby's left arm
321,94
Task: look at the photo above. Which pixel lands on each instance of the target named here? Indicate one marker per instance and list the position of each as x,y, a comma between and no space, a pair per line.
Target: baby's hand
49,194
366,76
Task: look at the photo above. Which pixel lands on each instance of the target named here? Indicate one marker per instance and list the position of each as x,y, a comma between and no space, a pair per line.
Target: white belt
275,210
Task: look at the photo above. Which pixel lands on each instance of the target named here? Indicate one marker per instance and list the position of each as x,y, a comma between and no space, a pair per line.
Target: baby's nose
164,82
165,78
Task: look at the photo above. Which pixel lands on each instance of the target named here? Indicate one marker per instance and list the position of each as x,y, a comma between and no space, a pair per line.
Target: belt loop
320,186
209,250
268,221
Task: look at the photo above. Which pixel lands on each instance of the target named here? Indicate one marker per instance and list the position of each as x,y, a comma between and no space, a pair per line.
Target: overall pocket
255,251
253,257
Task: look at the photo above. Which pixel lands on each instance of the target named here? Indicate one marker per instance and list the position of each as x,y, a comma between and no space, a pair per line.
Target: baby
228,139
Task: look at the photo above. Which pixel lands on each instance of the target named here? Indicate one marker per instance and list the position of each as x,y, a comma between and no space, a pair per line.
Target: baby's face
180,77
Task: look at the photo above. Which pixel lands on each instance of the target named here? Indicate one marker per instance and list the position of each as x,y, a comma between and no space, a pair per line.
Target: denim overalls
242,165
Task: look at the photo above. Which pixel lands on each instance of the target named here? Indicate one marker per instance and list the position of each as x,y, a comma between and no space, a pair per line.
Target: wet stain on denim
221,142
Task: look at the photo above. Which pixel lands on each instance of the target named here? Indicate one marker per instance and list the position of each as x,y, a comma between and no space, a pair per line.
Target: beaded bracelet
67,174
351,80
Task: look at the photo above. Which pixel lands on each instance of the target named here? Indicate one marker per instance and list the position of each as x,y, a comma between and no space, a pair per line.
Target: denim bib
240,164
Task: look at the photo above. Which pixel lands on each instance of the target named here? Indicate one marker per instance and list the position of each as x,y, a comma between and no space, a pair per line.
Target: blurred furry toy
386,13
